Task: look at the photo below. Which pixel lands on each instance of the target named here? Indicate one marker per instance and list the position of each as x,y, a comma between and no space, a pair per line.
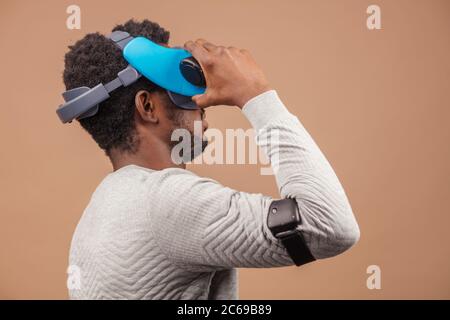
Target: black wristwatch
283,220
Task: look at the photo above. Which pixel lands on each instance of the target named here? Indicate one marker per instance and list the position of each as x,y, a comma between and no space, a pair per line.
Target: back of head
96,59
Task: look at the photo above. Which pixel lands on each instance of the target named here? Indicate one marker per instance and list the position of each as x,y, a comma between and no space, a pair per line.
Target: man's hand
232,75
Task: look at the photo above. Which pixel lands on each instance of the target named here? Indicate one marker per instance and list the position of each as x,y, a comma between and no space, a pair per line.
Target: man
154,230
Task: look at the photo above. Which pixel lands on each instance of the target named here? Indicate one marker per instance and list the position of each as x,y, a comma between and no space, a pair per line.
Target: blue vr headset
173,69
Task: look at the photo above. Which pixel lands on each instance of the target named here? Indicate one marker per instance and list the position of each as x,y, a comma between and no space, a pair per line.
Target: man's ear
145,106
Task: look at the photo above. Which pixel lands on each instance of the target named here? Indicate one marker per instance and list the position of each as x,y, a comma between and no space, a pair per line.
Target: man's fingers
206,44
198,51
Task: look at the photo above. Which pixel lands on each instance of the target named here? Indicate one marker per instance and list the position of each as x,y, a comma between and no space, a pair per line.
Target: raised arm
202,225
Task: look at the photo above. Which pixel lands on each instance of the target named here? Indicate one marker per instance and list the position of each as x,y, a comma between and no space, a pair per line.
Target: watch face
283,216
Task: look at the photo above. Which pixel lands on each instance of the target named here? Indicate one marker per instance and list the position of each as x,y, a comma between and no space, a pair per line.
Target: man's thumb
199,99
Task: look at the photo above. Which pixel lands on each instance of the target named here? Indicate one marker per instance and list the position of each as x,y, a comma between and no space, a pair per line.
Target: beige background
376,102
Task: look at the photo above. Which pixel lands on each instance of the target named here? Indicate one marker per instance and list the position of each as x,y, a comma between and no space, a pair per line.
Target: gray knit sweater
170,234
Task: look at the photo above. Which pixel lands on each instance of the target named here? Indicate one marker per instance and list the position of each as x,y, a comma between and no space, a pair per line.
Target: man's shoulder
176,190
180,181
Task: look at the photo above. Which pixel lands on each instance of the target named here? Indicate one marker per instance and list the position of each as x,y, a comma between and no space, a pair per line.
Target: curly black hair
96,59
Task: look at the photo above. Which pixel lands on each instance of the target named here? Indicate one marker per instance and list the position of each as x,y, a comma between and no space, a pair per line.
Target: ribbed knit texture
170,234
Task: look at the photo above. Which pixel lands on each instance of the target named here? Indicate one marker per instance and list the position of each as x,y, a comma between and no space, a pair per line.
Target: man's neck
154,155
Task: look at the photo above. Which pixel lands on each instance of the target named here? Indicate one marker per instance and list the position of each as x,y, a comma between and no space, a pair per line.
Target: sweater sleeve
202,225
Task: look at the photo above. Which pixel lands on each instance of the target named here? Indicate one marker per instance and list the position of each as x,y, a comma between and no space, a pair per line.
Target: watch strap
296,247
